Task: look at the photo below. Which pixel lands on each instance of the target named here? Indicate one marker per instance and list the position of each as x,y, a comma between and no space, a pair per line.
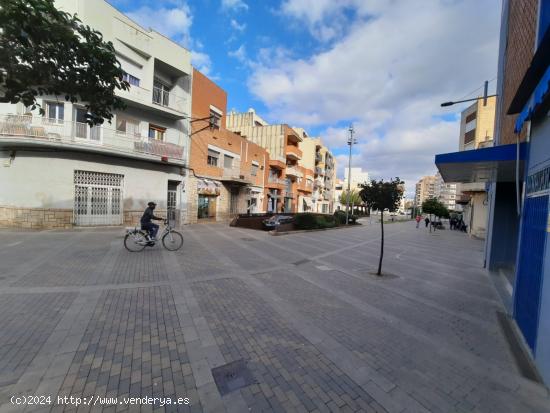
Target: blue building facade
518,175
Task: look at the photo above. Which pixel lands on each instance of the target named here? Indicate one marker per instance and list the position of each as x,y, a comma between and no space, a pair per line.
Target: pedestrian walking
427,221
418,218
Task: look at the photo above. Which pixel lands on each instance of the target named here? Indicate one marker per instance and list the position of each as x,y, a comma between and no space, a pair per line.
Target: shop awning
496,163
208,187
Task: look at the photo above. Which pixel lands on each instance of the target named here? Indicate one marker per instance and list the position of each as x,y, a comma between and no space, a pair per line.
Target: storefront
208,192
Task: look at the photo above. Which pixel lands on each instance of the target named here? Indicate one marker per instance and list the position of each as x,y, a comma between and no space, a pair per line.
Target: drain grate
232,376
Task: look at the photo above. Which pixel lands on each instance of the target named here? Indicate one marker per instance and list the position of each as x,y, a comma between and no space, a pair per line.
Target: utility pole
351,141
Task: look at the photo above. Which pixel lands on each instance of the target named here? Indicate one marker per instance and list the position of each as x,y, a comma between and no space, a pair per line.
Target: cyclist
146,223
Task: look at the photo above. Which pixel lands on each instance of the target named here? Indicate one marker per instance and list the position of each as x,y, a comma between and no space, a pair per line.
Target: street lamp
351,141
485,96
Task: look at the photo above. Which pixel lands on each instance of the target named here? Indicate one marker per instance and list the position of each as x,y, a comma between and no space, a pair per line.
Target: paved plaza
285,323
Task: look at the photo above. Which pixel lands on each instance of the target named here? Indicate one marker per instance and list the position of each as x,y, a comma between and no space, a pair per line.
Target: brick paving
82,317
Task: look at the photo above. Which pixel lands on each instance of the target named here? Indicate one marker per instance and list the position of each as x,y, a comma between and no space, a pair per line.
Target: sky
384,66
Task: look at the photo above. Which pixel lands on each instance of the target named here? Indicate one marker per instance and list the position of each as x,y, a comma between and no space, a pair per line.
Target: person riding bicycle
146,223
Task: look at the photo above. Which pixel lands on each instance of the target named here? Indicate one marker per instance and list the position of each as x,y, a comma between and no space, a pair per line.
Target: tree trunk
379,272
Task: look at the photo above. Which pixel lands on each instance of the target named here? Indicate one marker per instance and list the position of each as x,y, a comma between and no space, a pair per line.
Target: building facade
477,125
445,192
358,177
517,172
228,172
59,172
425,188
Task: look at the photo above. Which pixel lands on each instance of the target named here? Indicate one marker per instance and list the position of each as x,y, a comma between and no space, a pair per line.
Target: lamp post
484,97
351,141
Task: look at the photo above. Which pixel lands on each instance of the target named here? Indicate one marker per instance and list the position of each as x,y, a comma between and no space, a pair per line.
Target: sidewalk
315,331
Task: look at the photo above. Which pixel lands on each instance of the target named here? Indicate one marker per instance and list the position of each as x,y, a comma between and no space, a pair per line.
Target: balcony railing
236,173
293,152
293,171
319,171
318,157
168,99
276,180
81,135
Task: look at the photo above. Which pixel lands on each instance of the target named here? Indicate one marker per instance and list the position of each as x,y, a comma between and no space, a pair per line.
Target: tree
45,51
354,198
382,195
435,207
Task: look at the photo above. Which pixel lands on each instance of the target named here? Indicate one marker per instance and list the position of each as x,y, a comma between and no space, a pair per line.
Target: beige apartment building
290,177
425,188
324,173
477,125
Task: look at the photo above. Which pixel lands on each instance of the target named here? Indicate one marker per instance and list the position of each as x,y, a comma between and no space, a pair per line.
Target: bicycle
136,239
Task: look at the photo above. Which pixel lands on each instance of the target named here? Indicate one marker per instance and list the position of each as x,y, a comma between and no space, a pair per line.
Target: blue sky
384,65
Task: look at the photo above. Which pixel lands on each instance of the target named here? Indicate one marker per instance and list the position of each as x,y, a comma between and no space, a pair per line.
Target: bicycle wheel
172,241
135,241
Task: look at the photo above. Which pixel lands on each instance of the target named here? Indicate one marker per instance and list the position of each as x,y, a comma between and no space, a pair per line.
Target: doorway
207,207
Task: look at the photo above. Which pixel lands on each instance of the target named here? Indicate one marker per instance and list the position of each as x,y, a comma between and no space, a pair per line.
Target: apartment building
228,172
339,188
358,177
306,166
324,175
425,188
282,144
477,125
516,171
445,192
59,172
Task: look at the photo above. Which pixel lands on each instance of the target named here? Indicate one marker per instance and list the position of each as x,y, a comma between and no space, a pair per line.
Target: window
471,117
215,119
55,112
213,157
127,125
470,136
134,81
254,170
161,93
227,162
156,132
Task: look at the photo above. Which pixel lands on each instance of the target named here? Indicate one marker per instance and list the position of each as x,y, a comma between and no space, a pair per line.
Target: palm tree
354,199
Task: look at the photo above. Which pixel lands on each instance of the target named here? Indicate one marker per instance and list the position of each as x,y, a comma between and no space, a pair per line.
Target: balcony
318,157
39,131
293,152
275,182
318,183
158,100
235,175
292,171
319,171
277,163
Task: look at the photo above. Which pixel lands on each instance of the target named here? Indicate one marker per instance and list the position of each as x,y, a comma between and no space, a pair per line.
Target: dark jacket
148,216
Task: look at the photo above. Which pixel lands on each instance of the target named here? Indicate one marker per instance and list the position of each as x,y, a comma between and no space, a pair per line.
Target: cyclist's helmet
152,204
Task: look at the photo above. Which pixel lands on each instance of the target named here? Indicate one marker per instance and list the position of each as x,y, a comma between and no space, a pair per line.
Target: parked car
276,220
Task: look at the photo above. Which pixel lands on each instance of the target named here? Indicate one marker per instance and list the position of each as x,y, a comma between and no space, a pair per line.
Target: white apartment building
358,177
58,172
445,192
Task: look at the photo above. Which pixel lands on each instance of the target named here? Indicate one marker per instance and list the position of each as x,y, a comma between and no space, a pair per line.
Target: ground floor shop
61,190
214,200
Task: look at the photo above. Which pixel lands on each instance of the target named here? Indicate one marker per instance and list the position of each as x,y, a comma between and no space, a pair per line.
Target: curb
301,231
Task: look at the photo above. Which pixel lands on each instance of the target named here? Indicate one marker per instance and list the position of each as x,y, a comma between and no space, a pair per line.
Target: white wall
35,180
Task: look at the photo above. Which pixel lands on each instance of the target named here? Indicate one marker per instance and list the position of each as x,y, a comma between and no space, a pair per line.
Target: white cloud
239,27
388,73
239,54
202,62
174,22
234,5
